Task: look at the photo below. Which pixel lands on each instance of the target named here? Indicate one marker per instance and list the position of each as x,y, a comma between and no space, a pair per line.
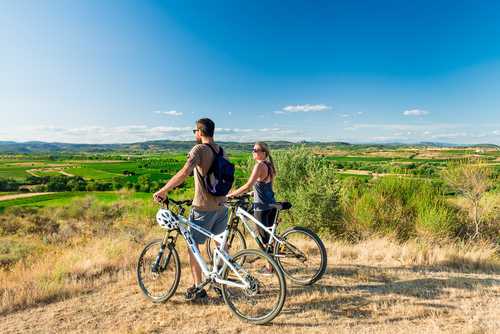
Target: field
65,198
403,256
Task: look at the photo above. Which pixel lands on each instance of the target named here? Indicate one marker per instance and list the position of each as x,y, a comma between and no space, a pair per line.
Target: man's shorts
213,221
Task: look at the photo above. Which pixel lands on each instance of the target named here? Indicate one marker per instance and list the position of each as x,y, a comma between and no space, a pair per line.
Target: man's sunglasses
194,130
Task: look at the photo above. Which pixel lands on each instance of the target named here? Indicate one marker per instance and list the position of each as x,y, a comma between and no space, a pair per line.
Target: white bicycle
299,251
252,296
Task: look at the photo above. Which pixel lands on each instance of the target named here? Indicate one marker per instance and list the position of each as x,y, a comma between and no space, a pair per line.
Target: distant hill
10,147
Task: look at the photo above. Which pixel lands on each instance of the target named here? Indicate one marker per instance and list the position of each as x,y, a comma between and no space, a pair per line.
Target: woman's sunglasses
256,150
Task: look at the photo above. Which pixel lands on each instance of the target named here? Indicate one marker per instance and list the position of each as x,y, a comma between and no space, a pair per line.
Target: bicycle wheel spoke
301,256
158,282
265,296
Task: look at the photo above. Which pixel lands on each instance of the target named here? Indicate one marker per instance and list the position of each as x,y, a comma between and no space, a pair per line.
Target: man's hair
206,126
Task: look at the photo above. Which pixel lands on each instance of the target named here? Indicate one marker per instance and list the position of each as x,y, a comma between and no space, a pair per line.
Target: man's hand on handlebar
160,196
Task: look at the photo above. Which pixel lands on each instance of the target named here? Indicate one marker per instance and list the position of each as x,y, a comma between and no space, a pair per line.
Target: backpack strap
213,150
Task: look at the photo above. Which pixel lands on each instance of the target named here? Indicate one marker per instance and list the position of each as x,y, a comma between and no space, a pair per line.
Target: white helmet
166,219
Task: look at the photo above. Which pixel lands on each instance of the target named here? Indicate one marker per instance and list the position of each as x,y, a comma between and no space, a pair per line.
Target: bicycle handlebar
239,200
168,200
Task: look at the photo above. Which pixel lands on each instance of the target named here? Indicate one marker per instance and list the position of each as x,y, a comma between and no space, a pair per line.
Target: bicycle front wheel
263,300
302,255
158,273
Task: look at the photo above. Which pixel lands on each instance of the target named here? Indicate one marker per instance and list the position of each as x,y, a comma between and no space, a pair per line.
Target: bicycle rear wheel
301,255
264,299
235,243
158,274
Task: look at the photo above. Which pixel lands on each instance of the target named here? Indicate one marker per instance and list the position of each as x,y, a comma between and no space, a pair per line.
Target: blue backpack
220,176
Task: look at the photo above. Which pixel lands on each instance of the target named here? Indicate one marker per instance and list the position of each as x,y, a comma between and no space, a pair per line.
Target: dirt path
24,195
370,173
58,170
350,299
32,172
63,172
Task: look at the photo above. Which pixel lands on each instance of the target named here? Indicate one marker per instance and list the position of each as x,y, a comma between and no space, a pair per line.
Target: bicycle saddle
282,205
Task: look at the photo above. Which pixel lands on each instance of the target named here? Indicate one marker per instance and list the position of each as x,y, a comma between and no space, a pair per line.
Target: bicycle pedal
218,291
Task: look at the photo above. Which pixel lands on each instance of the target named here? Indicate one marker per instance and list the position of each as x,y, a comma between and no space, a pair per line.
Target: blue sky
357,71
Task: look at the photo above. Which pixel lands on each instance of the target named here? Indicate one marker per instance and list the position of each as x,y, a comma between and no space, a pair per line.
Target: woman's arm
256,172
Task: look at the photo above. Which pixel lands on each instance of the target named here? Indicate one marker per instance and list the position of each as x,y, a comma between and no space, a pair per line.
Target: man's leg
195,269
200,219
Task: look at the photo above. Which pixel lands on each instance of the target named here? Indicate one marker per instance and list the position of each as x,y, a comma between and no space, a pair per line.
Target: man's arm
177,179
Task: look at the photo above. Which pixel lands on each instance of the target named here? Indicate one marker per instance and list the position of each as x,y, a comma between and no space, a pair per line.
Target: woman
261,180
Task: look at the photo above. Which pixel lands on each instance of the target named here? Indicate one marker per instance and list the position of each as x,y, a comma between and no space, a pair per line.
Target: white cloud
169,113
459,133
140,133
303,108
406,127
415,112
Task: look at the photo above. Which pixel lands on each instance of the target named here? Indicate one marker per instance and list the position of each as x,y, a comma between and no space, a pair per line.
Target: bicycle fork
167,241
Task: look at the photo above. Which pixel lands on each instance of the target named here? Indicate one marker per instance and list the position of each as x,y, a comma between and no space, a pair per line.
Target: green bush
8,185
352,208
403,207
311,186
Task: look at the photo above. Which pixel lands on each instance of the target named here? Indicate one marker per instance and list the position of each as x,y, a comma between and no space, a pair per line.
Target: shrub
472,179
311,186
8,185
403,207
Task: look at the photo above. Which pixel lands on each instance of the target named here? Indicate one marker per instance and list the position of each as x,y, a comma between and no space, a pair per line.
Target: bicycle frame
219,254
245,216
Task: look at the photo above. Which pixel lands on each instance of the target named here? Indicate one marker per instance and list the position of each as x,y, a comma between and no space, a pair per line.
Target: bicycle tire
321,251
236,233
281,285
144,267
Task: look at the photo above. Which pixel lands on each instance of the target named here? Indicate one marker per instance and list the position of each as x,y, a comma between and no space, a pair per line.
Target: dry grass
376,286
60,274
477,256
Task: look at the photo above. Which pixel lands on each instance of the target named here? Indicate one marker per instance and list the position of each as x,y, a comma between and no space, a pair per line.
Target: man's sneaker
194,294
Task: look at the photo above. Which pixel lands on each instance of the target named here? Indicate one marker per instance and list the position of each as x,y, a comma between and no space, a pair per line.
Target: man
208,211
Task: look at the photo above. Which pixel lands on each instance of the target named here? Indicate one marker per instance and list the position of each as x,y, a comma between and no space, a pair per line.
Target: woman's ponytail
273,168
265,148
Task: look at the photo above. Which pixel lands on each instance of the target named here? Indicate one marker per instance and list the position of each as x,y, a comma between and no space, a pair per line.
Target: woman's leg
266,217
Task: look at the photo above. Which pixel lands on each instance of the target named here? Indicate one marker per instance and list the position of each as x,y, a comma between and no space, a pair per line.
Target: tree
8,185
471,179
76,183
144,182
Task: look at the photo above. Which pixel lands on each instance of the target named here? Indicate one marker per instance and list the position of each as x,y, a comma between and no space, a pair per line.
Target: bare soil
23,195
